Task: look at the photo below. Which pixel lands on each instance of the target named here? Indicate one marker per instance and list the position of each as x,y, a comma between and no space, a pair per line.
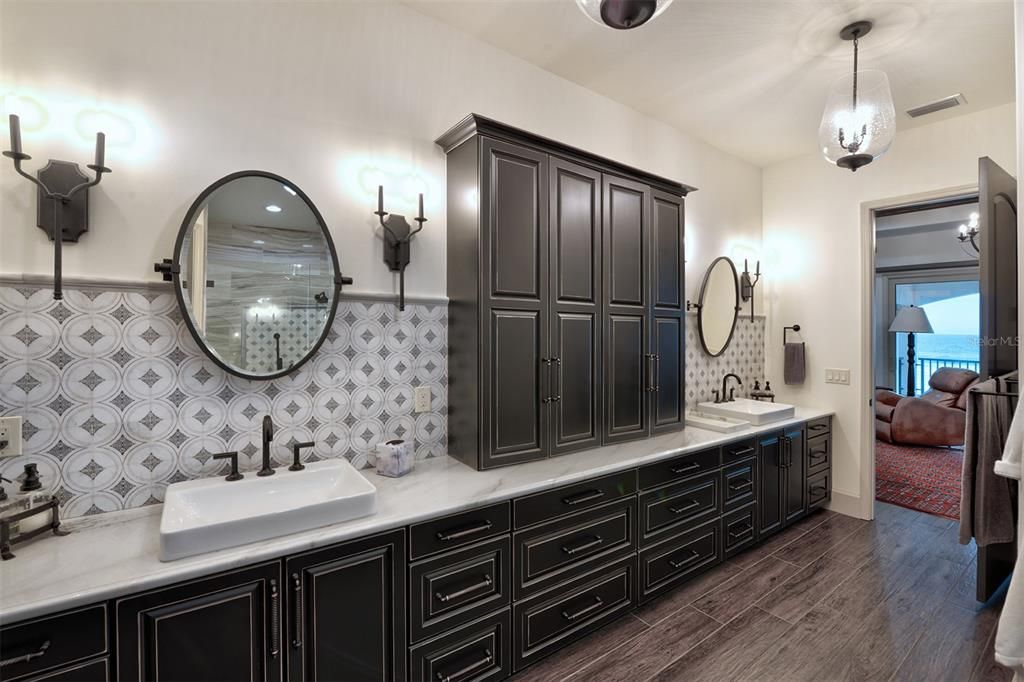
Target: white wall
813,241
332,96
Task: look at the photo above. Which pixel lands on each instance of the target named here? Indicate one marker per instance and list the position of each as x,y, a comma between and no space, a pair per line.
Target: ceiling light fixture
273,208
857,128
623,14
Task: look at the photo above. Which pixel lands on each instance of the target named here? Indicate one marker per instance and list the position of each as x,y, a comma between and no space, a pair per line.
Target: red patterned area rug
925,479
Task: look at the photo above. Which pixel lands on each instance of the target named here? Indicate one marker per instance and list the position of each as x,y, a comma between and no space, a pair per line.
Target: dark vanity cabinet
565,282
791,465
227,627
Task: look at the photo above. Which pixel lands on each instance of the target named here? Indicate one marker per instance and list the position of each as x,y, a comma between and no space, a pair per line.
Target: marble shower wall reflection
744,356
118,401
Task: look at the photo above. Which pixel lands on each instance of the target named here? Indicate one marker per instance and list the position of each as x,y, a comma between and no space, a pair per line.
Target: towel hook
785,331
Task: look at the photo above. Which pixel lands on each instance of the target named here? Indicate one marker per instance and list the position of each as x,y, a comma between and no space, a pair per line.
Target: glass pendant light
623,14
859,122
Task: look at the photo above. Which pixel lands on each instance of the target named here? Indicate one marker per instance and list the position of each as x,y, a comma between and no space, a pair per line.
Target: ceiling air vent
938,105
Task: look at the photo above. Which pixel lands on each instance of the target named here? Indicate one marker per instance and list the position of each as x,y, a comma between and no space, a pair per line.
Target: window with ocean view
953,308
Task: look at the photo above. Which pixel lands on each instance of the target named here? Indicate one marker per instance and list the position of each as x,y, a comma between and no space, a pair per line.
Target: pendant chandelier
859,120
623,14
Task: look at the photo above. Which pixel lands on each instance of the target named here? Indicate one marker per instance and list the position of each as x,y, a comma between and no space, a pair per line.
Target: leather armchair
939,417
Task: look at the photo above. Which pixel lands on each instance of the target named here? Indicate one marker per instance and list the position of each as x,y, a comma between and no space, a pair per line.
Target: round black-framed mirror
256,275
719,306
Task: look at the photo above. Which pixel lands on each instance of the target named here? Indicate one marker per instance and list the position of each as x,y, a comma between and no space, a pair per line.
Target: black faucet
268,435
726,395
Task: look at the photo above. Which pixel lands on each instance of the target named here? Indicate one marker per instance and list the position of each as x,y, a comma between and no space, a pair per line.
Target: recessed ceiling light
298,265
273,208
289,190
307,246
259,242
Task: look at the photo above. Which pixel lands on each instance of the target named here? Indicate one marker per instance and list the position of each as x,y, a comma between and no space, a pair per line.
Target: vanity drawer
819,427
96,670
562,549
678,468
554,619
457,530
738,484
678,507
733,452
819,453
479,651
54,641
572,498
739,530
673,561
457,587
819,489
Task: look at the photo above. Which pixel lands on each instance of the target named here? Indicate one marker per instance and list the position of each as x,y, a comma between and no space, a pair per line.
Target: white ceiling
751,77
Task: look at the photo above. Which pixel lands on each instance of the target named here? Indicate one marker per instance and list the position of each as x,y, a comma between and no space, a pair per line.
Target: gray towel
986,499
794,370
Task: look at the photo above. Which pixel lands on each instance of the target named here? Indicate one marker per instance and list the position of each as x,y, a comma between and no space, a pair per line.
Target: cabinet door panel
346,611
667,259
668,369
518,379
796,475
625,236
770,461
626,377
517,188
577,389
219,628
668,335
575,232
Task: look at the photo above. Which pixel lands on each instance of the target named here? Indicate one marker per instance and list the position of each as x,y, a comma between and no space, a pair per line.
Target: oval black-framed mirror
256,275
719,306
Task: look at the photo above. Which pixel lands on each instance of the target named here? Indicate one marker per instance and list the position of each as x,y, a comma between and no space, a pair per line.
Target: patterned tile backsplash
118,401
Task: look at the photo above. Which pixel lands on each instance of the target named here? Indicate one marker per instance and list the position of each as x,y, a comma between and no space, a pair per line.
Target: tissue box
394,458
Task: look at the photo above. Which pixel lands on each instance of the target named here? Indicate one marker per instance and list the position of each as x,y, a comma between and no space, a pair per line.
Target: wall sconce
62,183
747,285
969,232
397,234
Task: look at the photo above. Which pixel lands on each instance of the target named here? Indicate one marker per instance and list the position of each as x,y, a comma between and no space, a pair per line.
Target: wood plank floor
830,598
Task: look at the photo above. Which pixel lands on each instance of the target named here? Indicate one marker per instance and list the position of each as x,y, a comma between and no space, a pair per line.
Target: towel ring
785,332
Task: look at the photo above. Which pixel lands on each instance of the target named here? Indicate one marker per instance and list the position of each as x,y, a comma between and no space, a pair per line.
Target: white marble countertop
118,553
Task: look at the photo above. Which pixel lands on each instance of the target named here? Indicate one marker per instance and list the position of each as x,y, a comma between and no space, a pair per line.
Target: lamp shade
911,319
851,135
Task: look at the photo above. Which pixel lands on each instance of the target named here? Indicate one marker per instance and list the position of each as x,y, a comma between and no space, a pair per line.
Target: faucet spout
268,436
726,395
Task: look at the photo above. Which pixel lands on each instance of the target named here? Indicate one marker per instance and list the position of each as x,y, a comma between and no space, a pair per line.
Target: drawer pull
485,583
679,563
692,504
819,454
686,468
586,610
743,532
745,484
742,452
25,658
818,427
590,544
466,531
580,498
466,671
817,489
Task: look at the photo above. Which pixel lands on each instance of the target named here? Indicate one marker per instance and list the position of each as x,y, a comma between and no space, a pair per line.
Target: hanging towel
986,500
1009,644
794,370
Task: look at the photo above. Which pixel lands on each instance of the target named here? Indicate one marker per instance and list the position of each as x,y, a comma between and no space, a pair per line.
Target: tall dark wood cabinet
784,474
221,628
565,282
345,615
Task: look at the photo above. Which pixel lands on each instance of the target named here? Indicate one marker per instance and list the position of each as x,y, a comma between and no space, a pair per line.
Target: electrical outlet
837,376
421,399
10,436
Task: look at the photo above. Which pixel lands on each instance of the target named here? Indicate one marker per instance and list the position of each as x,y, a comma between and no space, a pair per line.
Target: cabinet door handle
581,498
275,619
679,563
742,452
598,603
556,367
685,469
466,531
657,370
596,541
742,532
691,504
741,485
25,658
445,597
545,380
297,593
650,372
465,672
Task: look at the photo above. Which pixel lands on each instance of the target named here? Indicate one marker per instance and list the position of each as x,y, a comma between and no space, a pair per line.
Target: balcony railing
925,367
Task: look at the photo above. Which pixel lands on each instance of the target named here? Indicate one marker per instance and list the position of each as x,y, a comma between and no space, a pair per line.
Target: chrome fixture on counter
731,395
268,436
397,235
65,186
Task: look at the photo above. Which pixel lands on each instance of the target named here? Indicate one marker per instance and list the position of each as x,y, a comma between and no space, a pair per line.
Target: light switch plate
837,376
421,399
10,436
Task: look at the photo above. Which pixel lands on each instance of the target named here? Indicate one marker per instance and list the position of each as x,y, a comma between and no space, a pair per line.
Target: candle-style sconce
747,285
397,234
63,203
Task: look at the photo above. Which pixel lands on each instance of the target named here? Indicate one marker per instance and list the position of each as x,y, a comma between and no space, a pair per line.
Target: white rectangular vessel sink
713,422
211,514
753,411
